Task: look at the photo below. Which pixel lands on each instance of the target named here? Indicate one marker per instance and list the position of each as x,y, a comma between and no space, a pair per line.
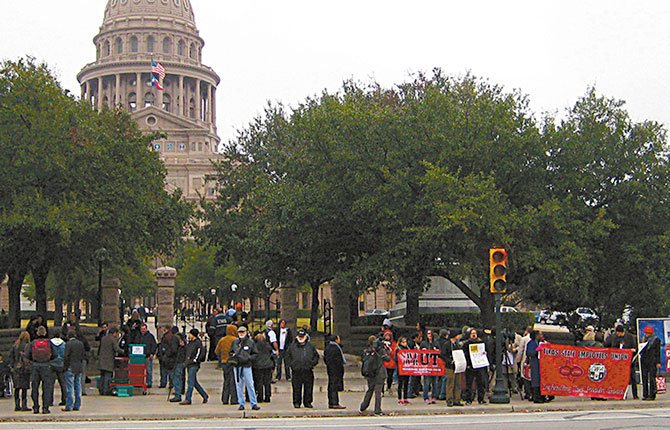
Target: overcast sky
286,50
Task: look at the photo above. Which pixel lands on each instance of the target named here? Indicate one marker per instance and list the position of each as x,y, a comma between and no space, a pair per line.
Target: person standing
242,354
262,368
150,348
403,380
430,381
520,359
453,380
303,358
622,340
58,344
73,365
650,362
109,349
21,369
41,354
285,338
195,354
377,353
229,391
178,373
390,365
533,355
479,375
167,354
271,338
335,361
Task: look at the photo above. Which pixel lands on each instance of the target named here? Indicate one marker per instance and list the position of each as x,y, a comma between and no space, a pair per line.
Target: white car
557,318
379,312
507,309
587,314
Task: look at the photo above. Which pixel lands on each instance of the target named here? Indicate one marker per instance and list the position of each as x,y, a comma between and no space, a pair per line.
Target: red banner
420,362
584,372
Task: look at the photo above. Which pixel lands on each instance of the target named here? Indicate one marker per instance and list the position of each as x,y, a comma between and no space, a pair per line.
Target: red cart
127,374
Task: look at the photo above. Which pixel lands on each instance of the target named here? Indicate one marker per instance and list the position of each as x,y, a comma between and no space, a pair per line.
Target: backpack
370,365
41,350
243,356
202,355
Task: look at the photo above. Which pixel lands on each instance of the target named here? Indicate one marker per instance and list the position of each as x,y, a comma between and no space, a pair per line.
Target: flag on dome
157,75
155,82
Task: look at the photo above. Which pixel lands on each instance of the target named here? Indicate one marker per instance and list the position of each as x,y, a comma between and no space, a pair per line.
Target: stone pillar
117,89
110,300
86,92
198,100
289,306
139,98
100,95
341,312
182,102
214,106
209,103
165,278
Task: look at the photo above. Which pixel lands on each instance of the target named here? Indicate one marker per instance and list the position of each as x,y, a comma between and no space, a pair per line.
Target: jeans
73,396
403,386
193,383
59,375
428,383
166,374
150,372
244,378
178,380
42,374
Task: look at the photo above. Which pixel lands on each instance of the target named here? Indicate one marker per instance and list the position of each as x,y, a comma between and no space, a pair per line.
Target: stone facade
133,33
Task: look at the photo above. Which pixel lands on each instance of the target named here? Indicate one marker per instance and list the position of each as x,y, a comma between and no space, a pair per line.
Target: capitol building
133,34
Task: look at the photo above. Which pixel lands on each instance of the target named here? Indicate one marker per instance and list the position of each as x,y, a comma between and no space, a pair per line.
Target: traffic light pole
500,392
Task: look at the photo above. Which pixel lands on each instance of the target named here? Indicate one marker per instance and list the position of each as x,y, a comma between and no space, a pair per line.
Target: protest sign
583,371
459,360
478,356
420,362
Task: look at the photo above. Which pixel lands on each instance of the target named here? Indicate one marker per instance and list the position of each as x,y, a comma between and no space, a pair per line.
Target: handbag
661,385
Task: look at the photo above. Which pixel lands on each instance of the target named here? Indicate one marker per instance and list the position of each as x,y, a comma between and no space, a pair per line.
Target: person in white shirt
284,338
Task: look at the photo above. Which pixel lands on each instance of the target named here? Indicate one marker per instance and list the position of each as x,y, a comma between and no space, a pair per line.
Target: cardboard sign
420,362
459,360
478,356
584,372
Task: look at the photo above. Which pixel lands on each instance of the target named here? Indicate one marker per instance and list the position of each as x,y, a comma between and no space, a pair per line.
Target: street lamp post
213,291
101,255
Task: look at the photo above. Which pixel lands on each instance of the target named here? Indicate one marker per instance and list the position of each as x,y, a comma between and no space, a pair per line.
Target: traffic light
498,270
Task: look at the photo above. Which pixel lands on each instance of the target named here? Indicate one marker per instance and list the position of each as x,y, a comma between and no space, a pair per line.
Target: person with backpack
58,344
167,354
73,365
196,353
242,355
374,372
303,358
21,369
41,354
335,361
178,373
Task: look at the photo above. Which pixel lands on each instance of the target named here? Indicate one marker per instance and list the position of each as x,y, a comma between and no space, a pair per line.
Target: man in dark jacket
242,355
167,354
302,357
150,349
284,340
41,353
195,354
453,381
622,340
650,362
73,364
335,361
180,360
109,349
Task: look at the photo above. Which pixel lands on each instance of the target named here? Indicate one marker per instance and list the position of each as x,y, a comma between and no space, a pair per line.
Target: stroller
6,383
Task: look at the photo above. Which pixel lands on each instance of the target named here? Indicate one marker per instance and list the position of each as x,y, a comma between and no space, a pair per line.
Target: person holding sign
403,380
430,381
477,365
453,390
650,362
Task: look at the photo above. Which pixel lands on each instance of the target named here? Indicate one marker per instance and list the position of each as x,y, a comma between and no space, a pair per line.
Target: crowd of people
252,362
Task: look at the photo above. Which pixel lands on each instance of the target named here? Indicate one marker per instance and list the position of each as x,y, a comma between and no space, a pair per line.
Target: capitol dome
166,9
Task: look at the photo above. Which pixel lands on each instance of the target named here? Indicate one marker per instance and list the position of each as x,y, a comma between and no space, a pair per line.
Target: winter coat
263,360
332,355
627,341
29,353
447,353
109,349
151,347
534,358
21,366
225,343
302,356
193,352
74,355
167,350
650,356
58,344
391,364
243,350
382,351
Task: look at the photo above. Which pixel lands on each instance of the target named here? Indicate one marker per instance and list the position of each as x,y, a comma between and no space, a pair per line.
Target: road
585,420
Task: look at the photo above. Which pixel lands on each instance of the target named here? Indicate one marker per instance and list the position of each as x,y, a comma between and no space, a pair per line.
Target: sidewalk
155,405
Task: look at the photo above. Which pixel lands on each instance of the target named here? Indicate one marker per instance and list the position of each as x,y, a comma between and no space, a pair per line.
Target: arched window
148,99
167,46
134,46
119,45
167,102
108,48
180,47
191,52
132,102
150,44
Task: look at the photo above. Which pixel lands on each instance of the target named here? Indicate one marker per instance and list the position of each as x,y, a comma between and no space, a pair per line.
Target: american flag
158,69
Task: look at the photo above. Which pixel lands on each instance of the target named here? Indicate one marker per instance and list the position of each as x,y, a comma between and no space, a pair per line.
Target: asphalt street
583,420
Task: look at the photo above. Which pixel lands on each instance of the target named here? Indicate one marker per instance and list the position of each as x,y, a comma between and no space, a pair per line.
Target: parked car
587,315
543,316
557,318
507,309
378,312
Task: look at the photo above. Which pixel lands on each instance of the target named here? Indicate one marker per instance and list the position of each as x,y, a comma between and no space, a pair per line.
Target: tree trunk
341,312
40,276
14,284
58,312
353,307
412,306
314,313
487,308
289,306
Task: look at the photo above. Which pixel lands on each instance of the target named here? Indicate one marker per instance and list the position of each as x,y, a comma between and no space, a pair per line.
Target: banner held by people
420,362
